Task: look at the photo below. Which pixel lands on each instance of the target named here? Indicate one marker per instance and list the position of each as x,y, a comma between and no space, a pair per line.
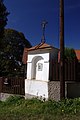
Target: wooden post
1,84
62,73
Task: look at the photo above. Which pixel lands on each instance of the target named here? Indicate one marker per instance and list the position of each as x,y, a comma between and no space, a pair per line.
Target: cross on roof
43,24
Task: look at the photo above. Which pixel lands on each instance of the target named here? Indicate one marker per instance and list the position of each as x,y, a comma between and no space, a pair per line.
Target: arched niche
37,63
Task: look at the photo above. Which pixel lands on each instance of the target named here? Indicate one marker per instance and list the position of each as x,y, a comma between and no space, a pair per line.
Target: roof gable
40,46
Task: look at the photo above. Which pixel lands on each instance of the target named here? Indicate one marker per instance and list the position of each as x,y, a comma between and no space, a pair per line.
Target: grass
16,108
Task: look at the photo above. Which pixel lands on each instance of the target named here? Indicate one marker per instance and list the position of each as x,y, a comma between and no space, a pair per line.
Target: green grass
16,108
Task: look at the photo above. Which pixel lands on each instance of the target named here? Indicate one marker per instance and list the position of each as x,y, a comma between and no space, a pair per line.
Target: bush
69,53
13,99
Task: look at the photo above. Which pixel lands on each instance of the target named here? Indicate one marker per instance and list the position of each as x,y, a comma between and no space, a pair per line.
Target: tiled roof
40,46
77,54
43,46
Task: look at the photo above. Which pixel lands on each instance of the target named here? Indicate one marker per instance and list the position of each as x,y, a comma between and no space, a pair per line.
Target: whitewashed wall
36,88
31,68
37,80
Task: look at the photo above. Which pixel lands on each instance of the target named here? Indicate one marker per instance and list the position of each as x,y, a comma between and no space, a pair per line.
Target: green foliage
13,100
17,108
3,16
11,53
69,53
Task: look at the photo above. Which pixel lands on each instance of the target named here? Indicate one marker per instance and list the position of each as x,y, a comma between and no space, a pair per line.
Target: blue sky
26,17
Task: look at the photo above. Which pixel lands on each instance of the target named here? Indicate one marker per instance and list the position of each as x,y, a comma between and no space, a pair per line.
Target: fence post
74,69
1,82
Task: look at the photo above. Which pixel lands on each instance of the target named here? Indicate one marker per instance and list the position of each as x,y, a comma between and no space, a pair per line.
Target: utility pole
62,69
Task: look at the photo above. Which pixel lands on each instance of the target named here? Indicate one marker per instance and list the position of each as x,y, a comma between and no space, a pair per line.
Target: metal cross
43,24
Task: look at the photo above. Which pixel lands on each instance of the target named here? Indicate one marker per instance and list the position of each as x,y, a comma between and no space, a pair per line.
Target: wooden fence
70,70
16,85
78,71
12,85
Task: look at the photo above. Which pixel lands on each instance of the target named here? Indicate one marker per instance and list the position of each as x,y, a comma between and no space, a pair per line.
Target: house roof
40,46
44,46
77,54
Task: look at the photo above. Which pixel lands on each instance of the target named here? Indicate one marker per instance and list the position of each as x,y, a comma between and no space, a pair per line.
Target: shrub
69,53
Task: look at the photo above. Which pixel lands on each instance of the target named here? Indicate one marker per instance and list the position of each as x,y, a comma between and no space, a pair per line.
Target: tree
69,53
13,44
3,16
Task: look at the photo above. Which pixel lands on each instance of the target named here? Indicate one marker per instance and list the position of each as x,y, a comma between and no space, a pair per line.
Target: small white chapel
38,71
37,81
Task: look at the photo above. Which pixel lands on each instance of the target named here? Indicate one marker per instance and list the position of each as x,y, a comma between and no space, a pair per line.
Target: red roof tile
77,54
40,46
